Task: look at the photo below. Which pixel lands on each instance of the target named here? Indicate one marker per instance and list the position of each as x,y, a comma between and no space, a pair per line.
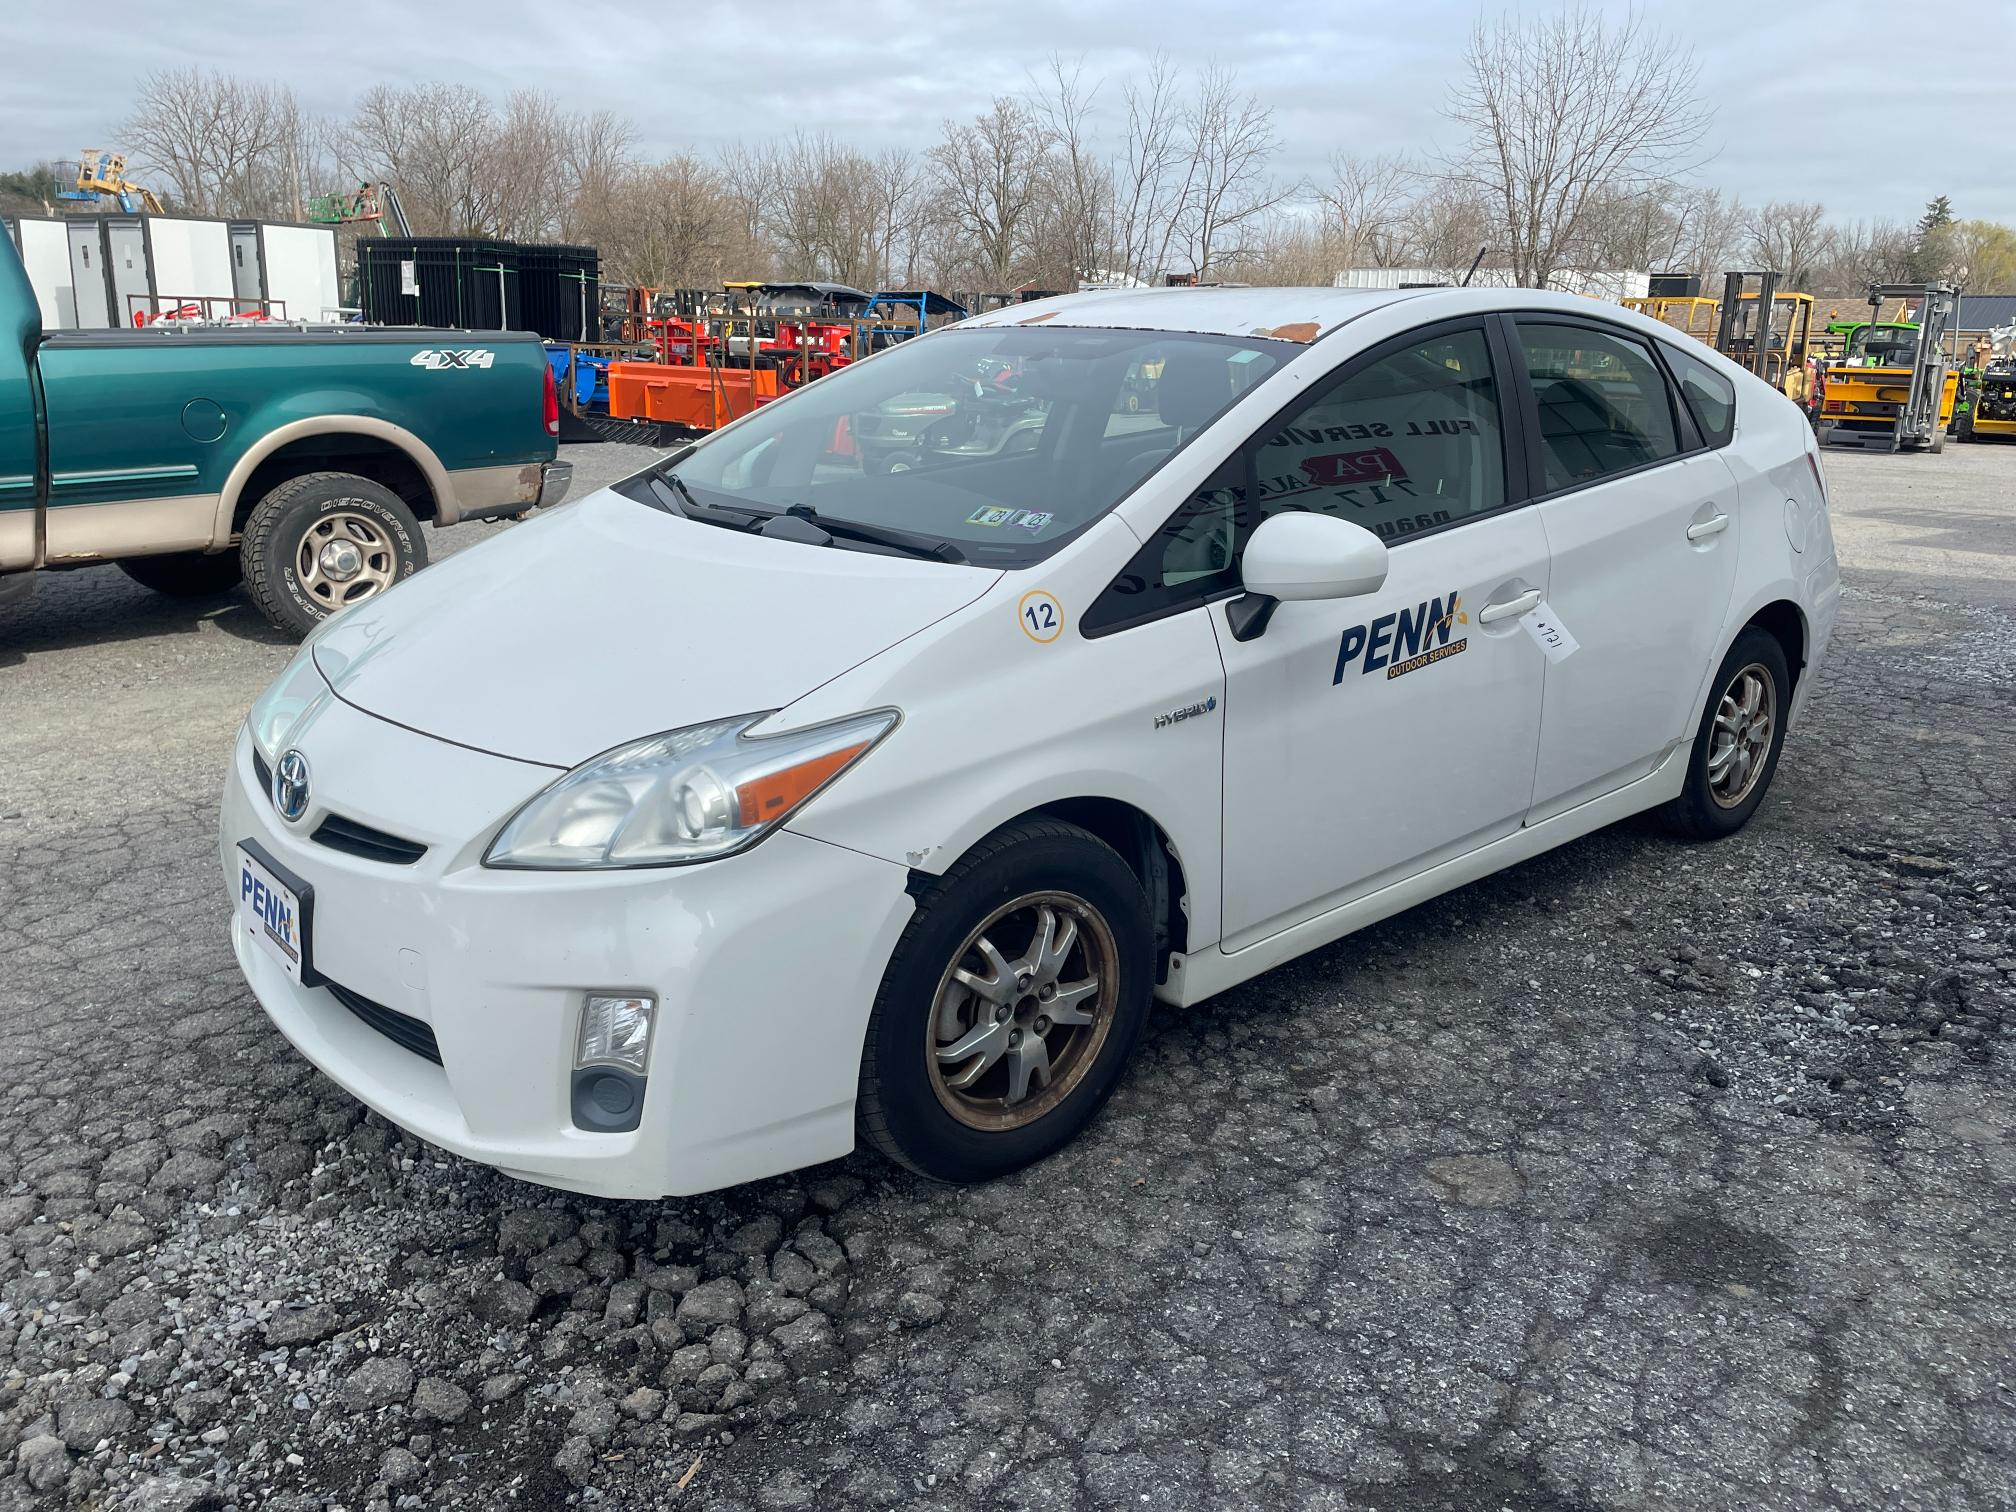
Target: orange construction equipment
699,398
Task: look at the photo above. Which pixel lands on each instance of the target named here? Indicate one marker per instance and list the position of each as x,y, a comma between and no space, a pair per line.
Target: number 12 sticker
1042,617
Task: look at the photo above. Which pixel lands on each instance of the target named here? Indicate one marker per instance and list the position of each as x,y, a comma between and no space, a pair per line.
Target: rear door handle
1508,608
1700,530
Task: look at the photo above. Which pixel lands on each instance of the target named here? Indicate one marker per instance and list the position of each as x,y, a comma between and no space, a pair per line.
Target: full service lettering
271,908
1401,638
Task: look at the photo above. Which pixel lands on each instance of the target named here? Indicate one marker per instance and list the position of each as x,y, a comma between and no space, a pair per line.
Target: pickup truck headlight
287,701
687,795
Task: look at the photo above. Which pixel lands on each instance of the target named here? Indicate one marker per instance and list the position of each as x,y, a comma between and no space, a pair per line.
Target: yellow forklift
1767,331
1892,389
1774,348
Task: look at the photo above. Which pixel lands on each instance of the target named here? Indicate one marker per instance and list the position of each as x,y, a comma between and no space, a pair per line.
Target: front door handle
1508,608
1700,530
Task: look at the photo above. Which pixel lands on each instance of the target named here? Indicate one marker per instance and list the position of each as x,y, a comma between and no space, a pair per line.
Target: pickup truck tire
324,541
185,574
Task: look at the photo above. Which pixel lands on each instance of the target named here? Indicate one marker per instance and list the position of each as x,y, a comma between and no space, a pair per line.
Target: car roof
1290,314
1293,314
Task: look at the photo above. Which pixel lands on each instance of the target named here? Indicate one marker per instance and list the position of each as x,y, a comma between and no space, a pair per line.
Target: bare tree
990,173
1983,255
1072,236
1788,237
1365,200
1149,177
221,145
1562,112
1229,135
1865,252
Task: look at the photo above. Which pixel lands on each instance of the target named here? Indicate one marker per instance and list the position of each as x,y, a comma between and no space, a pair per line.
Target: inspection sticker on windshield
1549,633
1041,615
1033,521
990,515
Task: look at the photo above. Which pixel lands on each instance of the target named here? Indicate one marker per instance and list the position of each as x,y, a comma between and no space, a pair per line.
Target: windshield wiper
909,542
711,514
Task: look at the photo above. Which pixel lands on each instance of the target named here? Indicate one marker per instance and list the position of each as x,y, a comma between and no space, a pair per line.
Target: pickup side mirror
1300,555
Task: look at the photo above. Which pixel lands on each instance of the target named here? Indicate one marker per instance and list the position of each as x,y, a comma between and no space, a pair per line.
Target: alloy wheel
1738,749
1022,1011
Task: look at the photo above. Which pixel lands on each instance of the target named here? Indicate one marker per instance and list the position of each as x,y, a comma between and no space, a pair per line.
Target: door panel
1644,558
1368,738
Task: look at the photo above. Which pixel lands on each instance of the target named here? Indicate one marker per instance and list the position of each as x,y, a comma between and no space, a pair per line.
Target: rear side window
1604,405
1710,397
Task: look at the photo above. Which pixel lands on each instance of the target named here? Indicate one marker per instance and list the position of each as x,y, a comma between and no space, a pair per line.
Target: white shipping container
90,272
190,261
300,267
1596,283
45,253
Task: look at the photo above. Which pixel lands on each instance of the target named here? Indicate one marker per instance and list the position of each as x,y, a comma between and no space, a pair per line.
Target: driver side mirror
1302,556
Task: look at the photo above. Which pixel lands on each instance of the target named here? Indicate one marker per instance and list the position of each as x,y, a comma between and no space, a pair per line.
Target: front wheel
1010,1007
322,542
1736,748
185,574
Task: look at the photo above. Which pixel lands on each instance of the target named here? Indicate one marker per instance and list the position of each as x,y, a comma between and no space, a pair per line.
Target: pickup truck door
20,414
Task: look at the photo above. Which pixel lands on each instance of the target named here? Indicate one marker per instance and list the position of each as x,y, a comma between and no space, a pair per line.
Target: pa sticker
1041,616
991,515
1033,522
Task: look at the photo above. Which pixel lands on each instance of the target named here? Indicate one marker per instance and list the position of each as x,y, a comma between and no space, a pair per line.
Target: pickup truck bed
181,453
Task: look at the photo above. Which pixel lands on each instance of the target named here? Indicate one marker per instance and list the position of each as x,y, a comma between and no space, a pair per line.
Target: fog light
615,1031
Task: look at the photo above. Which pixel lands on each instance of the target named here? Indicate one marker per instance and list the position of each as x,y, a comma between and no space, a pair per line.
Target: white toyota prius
863,771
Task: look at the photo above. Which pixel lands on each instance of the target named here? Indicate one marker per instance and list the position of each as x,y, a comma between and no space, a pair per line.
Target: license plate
274,909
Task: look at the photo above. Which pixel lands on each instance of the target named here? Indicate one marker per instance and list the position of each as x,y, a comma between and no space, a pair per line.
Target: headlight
686,795
286,704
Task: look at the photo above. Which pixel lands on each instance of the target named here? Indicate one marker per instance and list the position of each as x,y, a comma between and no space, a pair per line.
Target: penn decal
1407,638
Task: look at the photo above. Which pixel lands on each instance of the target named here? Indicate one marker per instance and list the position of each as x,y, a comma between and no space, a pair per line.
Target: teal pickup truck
300,459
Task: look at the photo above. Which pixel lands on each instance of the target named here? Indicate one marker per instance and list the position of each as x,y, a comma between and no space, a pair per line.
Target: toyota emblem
290,786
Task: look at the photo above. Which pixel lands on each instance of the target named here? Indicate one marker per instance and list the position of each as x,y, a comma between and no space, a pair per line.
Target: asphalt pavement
1639,1176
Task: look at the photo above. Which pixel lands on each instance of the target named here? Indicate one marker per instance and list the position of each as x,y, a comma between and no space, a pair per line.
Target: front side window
1603,403
1002,442
1406,443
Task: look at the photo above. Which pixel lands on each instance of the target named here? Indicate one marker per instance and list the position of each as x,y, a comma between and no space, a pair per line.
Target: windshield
1002,442
1887,347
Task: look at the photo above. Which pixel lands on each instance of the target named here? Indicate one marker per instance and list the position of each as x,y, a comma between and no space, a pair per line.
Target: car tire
901,462
1733,759
960,1119
186,574
323,542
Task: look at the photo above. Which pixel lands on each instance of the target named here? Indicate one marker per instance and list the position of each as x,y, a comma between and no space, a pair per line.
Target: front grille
407,1032
356,839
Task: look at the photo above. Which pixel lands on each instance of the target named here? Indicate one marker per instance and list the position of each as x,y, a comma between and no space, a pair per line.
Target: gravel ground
1638,1176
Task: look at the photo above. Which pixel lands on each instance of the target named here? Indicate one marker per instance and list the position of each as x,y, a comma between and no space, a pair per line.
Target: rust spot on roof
1038,319
1302,330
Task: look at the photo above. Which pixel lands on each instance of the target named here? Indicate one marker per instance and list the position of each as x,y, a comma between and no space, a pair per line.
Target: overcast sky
1838,102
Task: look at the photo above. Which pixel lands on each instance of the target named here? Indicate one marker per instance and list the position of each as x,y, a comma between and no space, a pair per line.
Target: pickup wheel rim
1745,718
1023,1011
344,557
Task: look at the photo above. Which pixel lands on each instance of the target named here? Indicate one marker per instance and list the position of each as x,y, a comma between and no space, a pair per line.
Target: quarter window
1408,443
1603,403
1710,397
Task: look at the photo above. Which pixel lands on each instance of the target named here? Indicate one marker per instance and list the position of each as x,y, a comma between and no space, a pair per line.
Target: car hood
609,620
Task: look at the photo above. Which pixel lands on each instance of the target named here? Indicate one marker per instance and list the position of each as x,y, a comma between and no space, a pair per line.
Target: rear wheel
186,574
322,542
1736,748
1010,1007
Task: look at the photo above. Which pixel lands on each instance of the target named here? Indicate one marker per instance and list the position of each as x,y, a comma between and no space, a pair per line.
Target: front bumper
764,966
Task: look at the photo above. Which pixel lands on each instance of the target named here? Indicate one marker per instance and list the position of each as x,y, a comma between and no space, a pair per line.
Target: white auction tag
1548,631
